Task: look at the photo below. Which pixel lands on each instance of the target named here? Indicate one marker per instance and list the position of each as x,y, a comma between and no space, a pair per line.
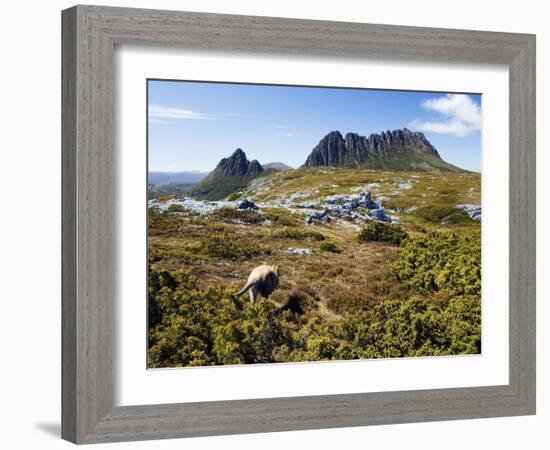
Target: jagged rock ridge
238,165
230,174
391,150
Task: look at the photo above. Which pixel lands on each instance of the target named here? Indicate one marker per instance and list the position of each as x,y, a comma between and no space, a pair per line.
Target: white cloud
459,115
166,112
160,112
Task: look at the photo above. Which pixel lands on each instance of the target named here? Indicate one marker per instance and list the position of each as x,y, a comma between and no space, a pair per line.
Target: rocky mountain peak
254,168
230,174
400,149
234,165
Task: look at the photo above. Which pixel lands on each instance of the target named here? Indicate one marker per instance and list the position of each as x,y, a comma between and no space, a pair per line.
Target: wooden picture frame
90,34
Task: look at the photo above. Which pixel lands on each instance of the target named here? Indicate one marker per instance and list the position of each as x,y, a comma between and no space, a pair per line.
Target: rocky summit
390,150
231,174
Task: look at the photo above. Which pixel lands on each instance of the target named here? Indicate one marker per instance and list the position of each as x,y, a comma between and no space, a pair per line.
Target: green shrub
174,207
440,262
229,246
330,247
229,214
382,232
395,328
459,217
160,223
434,213
192,326
298,234
247,336
283,217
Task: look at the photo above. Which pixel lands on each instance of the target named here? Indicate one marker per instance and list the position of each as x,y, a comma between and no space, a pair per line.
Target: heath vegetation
368,289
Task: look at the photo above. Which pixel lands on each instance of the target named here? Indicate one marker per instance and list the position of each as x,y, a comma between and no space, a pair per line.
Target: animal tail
244,289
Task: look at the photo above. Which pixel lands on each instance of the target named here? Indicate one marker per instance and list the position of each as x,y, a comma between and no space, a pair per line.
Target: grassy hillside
216,185
403,161
415,161
354,290
416,197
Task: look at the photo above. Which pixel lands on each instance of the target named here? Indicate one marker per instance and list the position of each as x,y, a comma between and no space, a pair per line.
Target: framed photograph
278,224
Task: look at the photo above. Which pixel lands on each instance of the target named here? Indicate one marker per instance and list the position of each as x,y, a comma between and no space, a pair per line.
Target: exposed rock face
230,174
238,165
331,151
393,150
254,169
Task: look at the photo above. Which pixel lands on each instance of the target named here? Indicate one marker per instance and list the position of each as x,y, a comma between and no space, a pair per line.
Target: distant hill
186,177
230,174
390,150
279,166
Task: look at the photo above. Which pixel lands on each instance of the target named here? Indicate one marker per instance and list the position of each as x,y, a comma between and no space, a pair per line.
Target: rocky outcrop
247,204
392,150
238,165
317,217
358,207
231,173
473,211
352,201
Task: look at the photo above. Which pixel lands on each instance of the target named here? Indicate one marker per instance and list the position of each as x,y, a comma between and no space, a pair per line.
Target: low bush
229,246
330,247
298,234
193,327
434,213
440,262
228,214
458,217
283,217
382,232
395,329
160,223
189,326
174,207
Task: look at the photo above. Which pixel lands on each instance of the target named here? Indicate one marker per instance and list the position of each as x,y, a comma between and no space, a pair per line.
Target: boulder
299,251
473,211
379,214
367,201
316,217
247,204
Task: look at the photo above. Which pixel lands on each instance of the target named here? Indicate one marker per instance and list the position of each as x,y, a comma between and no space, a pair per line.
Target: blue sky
192,125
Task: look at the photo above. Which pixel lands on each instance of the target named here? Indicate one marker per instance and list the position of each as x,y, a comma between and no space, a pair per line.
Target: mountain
389,150
186,177
230,174
278,166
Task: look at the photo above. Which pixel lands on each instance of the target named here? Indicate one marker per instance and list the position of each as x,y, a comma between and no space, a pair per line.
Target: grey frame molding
90,34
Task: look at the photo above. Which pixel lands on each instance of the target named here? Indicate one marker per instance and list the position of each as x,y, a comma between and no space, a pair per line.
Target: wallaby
262,281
